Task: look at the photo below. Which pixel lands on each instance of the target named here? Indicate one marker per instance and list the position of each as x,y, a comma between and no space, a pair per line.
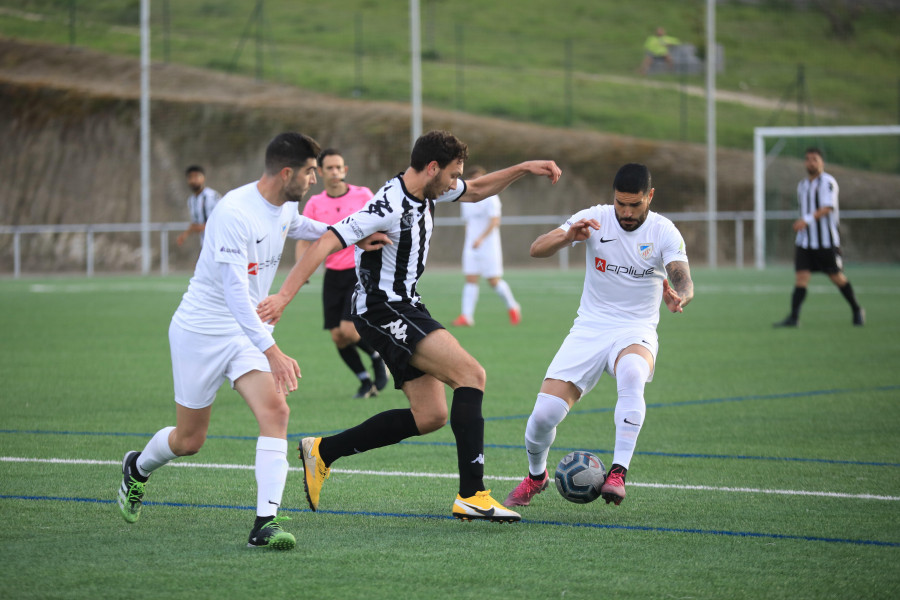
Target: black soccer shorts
394,329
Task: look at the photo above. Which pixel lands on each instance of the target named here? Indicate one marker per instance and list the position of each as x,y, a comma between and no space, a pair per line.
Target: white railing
738,217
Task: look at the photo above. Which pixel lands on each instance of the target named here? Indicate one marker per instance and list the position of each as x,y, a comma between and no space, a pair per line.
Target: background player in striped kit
389,314
631,256
338,200
818,239
483,256
200,204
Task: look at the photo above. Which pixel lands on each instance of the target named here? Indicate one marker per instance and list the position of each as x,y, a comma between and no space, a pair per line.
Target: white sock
156,453
502,289
469,299
549,411
631,376
271,474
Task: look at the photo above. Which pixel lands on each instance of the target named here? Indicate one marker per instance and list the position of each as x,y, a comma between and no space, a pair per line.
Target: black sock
366,347
797,299
352,359
536,477
847,292
385,428
468,429
260,521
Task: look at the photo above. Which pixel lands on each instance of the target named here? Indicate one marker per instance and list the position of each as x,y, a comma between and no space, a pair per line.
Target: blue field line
363,513
808,393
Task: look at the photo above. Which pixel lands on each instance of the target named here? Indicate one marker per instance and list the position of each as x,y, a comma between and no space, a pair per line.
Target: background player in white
483,256
818,239
390,315
338,200
200,203
216,333
629,255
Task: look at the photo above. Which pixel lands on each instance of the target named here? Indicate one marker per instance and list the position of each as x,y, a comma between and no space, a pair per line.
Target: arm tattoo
680,277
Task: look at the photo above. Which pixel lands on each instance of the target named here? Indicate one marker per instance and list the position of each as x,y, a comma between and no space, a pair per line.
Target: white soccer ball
579,476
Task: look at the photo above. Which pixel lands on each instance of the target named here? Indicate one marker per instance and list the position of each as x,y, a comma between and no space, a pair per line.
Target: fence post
89,242
739,242
164,251
568,82
17,254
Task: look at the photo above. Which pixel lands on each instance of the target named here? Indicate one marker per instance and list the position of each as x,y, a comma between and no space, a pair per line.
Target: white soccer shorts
590,350
486,260
200,363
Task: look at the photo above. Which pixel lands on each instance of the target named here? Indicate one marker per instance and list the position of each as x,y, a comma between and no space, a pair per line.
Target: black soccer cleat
131,491
859,317
366,389
788,322
267,533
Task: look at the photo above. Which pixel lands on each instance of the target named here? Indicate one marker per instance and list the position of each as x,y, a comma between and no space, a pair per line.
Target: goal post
760,163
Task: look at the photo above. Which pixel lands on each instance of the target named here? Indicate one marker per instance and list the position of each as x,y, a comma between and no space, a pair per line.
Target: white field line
668,486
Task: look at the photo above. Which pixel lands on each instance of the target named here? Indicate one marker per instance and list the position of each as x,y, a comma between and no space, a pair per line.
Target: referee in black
818,242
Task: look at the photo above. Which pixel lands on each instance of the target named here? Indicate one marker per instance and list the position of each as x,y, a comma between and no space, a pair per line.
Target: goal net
865,160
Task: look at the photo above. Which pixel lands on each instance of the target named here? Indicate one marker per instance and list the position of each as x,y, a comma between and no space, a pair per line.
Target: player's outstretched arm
271,308
553,241
681,290
494,183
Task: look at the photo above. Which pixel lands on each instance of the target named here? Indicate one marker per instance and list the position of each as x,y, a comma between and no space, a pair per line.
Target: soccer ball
579,476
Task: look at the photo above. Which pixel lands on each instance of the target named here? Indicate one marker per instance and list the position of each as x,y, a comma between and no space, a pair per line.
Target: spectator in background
200,203
483,257
657,47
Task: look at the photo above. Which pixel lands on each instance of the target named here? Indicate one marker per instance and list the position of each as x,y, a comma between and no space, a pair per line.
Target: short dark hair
814,150
290,149
441,146
633,178
194,169
329,152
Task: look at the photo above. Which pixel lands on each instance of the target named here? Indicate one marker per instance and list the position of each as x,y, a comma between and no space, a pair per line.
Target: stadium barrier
739,218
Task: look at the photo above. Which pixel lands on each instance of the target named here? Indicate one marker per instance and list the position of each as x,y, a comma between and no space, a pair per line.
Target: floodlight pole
145,136
711,132
415,39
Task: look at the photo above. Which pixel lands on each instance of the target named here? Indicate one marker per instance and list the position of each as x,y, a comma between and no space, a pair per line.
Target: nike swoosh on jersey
259,241
602,241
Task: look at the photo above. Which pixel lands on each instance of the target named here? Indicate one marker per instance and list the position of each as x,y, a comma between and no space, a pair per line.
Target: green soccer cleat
131,492
269,534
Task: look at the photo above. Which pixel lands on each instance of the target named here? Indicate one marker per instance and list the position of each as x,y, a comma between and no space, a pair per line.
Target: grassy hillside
569,66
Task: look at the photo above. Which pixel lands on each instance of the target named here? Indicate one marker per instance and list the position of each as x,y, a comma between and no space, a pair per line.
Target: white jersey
624,274
813,195
248,231
477,216
391,273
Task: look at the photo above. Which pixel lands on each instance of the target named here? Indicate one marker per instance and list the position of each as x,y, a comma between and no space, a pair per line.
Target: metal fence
740,220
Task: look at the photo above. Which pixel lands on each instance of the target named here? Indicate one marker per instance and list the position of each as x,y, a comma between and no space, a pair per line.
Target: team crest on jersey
645,250
284,227
406,221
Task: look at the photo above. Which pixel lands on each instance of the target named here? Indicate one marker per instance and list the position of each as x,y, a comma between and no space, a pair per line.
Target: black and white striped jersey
813,195
391,274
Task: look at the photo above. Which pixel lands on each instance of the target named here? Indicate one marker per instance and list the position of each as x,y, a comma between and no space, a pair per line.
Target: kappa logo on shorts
397,329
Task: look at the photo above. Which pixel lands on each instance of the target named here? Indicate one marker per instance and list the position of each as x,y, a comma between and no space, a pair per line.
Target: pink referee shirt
327,209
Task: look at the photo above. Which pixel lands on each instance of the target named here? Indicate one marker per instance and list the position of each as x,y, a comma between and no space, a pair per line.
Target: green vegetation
734,405
573,66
